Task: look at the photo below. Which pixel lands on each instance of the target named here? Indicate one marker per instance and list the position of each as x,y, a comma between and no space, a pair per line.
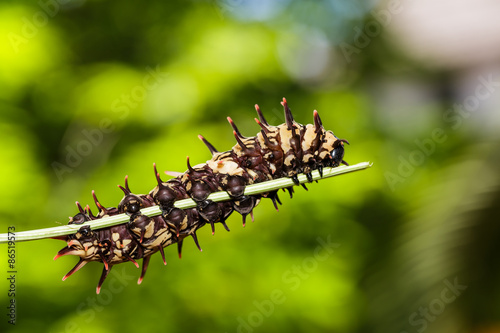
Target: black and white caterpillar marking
276,151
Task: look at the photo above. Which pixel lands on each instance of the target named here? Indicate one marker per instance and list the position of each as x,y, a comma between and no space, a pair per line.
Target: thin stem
258,188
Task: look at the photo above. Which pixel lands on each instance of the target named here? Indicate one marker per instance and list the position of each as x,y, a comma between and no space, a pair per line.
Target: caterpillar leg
210,212
275,199
176,219
245,205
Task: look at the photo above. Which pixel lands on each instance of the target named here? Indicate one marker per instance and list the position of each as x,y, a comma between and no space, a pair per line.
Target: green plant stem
258,188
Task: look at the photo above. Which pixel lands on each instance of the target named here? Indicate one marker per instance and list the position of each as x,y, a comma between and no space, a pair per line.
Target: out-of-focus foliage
92,91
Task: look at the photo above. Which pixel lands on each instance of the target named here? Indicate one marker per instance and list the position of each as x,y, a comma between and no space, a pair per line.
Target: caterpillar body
276,151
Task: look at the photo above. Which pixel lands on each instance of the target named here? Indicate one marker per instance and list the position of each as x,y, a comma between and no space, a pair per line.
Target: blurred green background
92,91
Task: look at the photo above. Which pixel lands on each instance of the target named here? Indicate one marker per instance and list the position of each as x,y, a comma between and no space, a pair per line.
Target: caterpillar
276,151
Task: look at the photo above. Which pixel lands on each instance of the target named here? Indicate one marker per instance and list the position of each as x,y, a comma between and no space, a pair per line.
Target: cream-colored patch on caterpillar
286,137
288,160
272,136
217,156
239,151
260,140
118,244
149,246
150,229
157,242
115,236
222,156
90,249
184,222
213,165
248,142
126,242
306,157
309,137
136,231
226,167
323,154
273,132
161,231
162,240
329,140
75,243
118,253
253,174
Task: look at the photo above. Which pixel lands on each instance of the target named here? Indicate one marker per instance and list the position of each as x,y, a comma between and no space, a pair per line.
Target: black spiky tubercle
276,151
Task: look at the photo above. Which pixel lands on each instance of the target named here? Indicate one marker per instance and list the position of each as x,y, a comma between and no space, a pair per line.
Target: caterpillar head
83,244
332,150
337,153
